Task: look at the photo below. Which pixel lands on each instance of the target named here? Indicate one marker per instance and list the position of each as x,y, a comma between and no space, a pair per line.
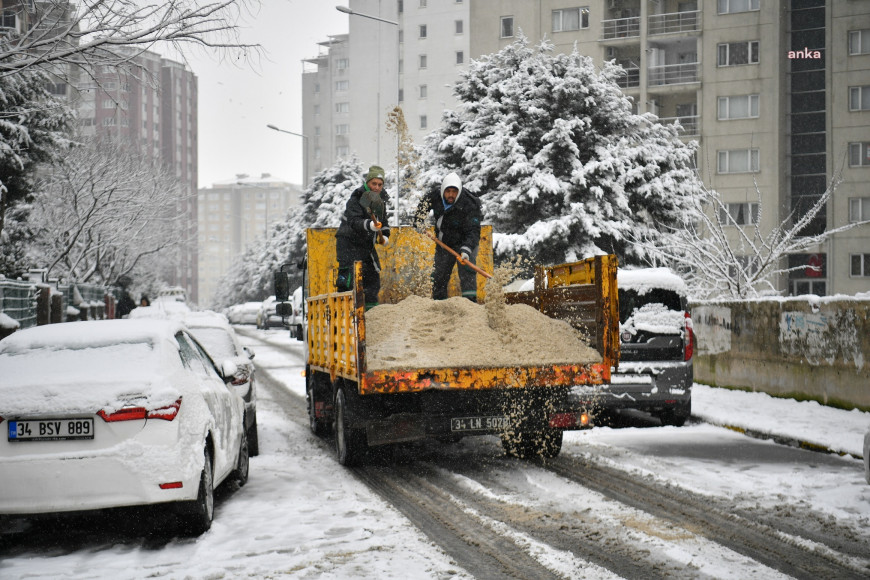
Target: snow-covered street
303,515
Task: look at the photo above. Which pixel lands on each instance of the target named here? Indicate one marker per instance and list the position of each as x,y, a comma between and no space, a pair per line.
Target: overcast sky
235,104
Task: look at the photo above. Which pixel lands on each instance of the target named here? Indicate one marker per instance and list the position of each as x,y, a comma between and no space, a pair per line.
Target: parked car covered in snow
115,413
213,331
266,316
245,313
655,372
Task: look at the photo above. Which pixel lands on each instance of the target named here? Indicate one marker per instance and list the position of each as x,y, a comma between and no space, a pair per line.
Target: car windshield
631,300
69,364
217,342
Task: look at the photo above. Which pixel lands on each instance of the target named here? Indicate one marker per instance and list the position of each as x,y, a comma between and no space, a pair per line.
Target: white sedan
115,413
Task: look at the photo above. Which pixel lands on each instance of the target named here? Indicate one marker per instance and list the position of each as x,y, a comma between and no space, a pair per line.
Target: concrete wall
809,348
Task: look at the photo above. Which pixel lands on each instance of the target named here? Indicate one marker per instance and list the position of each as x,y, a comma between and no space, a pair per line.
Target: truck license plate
478,423
51,429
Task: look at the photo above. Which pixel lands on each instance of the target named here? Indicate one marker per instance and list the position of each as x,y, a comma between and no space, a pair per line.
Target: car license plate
51,429
478,423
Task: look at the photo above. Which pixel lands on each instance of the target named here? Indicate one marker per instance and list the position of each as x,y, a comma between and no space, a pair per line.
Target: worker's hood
451,180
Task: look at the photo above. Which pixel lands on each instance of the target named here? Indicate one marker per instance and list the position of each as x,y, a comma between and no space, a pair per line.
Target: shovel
457,256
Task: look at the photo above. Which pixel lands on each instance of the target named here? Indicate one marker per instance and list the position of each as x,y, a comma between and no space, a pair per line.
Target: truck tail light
167,413
690,339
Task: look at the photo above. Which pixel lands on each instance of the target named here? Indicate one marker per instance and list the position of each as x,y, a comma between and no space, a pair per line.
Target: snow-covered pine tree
563,167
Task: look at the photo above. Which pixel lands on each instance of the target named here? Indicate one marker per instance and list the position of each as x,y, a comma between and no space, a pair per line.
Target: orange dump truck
528,406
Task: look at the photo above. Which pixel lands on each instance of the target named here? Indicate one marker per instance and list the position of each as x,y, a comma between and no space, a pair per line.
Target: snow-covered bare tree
250,277
103,210
563,167
62,35
721,258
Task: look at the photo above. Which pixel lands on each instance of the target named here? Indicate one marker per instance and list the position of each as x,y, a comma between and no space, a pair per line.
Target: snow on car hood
654,318
63,380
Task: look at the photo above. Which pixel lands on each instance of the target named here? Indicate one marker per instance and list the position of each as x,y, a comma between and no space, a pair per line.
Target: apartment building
153,106
776,92
232,215
350,88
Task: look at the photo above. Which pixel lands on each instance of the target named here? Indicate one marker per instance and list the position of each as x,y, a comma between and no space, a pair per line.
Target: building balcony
688,123
630,79
674,74
674,22
621,28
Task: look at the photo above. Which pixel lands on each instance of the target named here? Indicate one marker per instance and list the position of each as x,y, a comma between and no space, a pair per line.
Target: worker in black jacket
457,223
363,224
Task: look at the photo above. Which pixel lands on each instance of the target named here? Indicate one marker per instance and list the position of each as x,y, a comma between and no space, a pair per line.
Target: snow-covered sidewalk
804,423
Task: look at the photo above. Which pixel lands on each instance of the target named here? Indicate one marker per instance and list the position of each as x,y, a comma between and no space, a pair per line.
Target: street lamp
304,151
398,134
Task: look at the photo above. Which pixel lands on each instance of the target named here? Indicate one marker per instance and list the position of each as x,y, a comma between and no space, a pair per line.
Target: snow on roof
84,334
643,280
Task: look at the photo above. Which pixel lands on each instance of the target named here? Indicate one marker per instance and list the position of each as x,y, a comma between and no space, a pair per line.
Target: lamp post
304,151
398,135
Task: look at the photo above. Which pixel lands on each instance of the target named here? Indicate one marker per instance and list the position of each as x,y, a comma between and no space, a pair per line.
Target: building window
401,6
738,53
316,110
460,57
342,151
570,19
738,161
342,129
459,26
401,36
859,209
342,85
423,61
342,107
860,265
859,154
859,98
316,88
424,91
108,104
341,63
507,27
317,152
742,214
317,131
859,41
733,6
422,3
422,31
738,107
401,95
424,122
9,20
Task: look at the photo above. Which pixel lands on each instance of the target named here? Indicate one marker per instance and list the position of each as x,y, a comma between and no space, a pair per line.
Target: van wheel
349,443
253,439
197,515
676,416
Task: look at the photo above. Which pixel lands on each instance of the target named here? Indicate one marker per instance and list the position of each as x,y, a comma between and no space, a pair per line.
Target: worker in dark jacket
457,223
363,224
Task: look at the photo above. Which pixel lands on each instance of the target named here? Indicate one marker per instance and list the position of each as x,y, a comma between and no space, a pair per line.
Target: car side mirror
284,309
282,286
229,369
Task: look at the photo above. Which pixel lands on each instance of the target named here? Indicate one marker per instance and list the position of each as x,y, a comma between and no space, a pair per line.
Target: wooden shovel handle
457,256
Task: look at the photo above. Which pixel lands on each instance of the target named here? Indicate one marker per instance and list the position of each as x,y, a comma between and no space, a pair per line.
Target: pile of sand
424,333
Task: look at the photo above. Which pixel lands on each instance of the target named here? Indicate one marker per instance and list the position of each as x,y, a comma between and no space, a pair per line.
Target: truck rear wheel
350,445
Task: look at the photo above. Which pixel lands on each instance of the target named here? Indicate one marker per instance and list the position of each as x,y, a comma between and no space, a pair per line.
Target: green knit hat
375,172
